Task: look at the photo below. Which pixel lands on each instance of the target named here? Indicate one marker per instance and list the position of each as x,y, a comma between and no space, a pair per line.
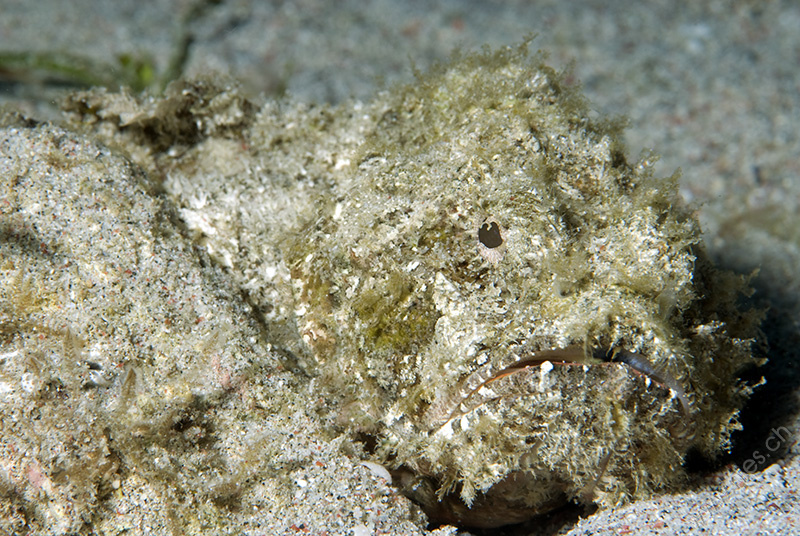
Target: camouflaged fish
508,310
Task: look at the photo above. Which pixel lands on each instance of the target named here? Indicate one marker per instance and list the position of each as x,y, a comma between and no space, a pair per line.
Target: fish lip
442,412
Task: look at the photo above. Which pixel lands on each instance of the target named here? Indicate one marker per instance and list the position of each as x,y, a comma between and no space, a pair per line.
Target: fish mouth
487,383
606,399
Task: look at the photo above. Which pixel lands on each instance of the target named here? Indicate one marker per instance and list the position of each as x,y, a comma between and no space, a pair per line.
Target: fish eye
491,245
489,235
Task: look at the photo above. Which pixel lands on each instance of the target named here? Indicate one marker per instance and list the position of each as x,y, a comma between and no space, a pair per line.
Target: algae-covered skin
516,313
484,288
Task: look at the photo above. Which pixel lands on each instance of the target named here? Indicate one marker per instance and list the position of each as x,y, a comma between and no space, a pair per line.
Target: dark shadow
558,521
771,413
769,416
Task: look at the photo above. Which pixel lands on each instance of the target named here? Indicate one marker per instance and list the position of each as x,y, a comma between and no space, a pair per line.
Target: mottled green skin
403,317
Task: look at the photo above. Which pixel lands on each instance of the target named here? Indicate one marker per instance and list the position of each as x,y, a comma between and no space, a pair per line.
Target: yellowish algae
485,289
